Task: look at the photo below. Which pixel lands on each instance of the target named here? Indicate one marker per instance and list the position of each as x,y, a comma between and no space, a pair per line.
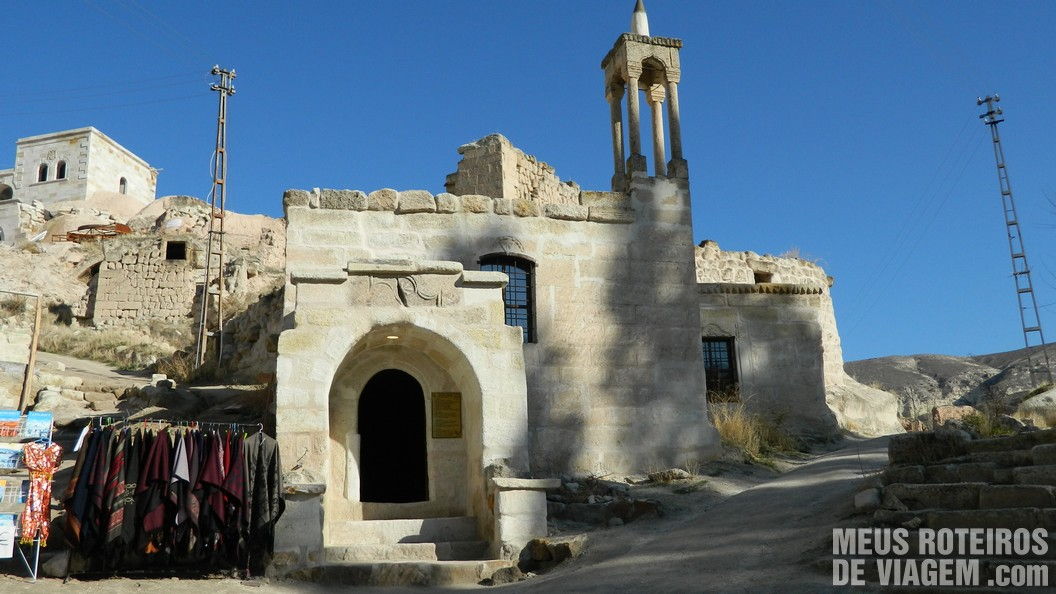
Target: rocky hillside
1000,381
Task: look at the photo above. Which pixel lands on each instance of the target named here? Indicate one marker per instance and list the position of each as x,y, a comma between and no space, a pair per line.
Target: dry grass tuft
13,305
757,437
123,349
179,367
1045,419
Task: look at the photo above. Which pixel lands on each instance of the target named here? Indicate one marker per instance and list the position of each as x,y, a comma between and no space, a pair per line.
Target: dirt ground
735,528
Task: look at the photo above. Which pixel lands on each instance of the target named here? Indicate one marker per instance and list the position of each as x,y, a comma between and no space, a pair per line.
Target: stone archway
393,466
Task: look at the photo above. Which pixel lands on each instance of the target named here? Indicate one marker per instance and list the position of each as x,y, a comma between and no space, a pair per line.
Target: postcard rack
16,430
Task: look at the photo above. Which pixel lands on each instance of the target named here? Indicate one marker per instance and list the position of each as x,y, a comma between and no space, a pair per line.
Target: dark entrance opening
392,456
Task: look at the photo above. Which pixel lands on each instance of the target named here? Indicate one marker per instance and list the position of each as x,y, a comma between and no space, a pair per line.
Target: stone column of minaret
656,99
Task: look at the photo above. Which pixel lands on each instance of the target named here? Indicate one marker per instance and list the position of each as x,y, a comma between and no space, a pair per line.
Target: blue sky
844,130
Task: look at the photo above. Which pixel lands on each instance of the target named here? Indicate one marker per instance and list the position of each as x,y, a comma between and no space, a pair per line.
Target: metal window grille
720,368
519,294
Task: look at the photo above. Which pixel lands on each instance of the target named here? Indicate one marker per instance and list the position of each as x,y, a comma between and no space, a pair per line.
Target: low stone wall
137,283
715,265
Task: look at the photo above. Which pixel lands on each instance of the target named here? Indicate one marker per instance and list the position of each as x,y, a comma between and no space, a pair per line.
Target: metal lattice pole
211,320
1029,316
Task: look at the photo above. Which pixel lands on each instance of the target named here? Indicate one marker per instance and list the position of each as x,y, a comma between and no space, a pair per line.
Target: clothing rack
176,428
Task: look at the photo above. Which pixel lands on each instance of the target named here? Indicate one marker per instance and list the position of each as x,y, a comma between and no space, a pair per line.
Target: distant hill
1000,380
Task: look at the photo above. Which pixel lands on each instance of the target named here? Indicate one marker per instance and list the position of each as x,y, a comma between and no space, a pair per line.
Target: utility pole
1028,303
211,320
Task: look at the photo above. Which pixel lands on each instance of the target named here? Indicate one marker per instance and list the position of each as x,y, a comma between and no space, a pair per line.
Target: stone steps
409,551
1012,518
388,532
969,496
405,573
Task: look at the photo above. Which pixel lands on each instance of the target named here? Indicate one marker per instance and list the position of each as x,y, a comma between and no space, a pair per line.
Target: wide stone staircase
946,479
412,552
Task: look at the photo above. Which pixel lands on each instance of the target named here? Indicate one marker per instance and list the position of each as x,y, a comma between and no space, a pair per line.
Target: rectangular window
519,295
720,370
176,250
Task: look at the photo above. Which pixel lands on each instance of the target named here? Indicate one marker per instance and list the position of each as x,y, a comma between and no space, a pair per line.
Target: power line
102,107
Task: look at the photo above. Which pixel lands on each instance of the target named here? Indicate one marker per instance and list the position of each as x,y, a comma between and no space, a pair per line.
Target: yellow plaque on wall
447,415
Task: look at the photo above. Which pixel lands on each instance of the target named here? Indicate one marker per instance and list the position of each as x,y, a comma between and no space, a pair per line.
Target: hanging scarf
41,461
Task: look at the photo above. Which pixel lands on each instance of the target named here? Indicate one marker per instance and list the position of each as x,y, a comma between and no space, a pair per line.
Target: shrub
756,436
986,424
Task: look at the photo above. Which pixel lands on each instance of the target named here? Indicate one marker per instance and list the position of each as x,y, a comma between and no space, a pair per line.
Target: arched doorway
391,420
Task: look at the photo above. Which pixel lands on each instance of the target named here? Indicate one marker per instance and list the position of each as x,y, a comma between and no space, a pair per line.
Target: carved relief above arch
715,330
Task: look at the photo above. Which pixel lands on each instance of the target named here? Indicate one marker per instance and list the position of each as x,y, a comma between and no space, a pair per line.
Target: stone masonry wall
136,282
789,357
615,381
492,166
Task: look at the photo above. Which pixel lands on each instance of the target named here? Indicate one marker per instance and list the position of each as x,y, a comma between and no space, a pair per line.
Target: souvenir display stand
16,431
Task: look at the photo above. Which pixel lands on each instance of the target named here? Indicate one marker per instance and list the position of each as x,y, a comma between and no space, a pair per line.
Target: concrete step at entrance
424,530
410,551
406,573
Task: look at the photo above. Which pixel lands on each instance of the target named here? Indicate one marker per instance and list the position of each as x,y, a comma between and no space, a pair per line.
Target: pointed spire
639,20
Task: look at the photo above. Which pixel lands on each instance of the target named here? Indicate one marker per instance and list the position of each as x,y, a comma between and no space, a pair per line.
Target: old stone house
444,354
80,168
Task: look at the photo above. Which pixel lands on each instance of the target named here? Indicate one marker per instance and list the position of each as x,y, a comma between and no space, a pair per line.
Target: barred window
519,294
720,369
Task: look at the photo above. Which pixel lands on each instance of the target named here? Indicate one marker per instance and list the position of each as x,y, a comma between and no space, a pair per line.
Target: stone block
566,212
927,447
1008,496
383,199
476,203
937,496
503,206
342,199
1043,454
295,198
976,472
523,207
1027,517
602,214
412,201
1035,475
447,203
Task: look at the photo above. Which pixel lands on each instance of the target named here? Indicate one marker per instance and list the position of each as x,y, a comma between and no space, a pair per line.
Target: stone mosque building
445,355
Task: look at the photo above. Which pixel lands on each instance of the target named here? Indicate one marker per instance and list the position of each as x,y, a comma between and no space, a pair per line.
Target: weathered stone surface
524,207
447,203
937,496
1043,454
867,500
927,447
941,414
1008,496
566,212
671,474
476,203
1035,475
383,199
342,199
503,206
294,198
604,214
412,201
